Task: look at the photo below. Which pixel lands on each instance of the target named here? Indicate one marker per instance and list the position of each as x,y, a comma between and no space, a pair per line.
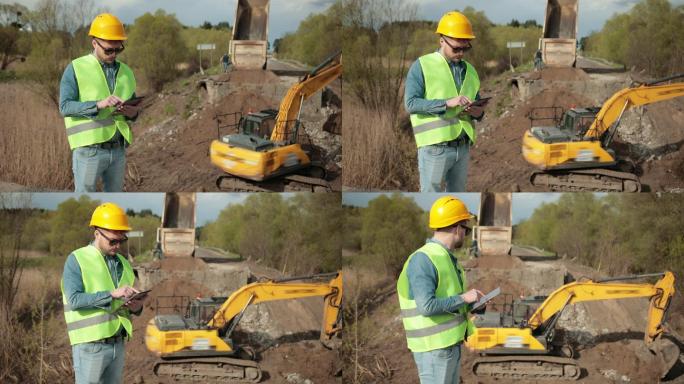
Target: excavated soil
170,151
607,336
654,132
496,162
174,153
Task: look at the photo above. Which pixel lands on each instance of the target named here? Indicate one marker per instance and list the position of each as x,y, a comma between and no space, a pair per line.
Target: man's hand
123,292
472,296
457,101
129,111
111,101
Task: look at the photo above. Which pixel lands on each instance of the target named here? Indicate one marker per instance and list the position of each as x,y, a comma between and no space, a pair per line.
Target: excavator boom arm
627,98
288,112
660,293
270,291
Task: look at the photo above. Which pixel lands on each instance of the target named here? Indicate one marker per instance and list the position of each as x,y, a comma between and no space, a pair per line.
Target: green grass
169,109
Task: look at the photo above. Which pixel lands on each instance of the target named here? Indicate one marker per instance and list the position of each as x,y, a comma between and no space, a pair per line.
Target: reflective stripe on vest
440,84
92,86
85,325
427,333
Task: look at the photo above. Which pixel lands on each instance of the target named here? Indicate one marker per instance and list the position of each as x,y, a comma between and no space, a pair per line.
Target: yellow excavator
514,344
576,154
266,146
198,344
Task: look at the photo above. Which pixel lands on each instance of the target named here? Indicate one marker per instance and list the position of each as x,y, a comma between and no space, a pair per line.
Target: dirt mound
174,153
559,74
253,76
498,261
302,361
651,136
171,263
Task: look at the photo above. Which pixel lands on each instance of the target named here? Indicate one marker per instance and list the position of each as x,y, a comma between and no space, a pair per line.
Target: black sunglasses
109,51
113,242
468,230
457,49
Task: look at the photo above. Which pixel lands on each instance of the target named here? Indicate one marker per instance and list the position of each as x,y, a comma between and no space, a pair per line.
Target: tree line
297,235
617,233
647,38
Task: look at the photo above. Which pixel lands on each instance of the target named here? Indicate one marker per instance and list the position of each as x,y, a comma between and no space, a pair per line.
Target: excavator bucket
666,353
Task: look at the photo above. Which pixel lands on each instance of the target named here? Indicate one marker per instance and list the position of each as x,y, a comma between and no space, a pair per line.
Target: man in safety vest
434,298
97,286
92,93
439,92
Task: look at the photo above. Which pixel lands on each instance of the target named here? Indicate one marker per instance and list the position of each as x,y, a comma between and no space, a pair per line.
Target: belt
463,139
108,145
111,340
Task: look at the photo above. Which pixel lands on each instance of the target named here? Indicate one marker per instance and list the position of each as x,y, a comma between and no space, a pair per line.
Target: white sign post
515,44
206,47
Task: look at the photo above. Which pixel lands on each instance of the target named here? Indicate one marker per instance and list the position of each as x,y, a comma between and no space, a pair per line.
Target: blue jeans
100,363
440,366
92,163
443,168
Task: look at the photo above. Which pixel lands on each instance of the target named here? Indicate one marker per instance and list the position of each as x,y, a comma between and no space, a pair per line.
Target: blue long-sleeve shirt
422,276
414,90
74,289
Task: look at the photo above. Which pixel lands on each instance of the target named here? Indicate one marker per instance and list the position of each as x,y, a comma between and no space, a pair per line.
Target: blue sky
524,204
286,14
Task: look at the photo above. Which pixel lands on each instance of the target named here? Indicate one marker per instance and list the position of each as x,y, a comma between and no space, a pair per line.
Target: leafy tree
70,225
153,48
392,228
223,25
514,23
206,25
648,37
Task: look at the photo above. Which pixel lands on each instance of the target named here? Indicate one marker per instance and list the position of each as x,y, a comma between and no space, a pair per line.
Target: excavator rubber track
591,179
527,367
209,369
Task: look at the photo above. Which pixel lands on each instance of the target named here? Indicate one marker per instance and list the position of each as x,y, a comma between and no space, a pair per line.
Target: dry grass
33,151
35,347
377,154
36,284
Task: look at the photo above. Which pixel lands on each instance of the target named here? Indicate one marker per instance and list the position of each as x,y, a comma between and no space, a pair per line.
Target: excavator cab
576,121
258,124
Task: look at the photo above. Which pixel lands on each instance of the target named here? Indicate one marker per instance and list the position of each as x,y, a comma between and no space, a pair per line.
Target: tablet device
134,101
484,299
481,102
138,295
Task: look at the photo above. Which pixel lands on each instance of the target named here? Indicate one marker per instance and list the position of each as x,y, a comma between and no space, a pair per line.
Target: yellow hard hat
446,211
455,24
110,216
108,27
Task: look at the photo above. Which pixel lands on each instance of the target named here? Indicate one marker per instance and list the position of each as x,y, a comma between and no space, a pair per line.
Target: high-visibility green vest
439,84
92,86
427,333
84,325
